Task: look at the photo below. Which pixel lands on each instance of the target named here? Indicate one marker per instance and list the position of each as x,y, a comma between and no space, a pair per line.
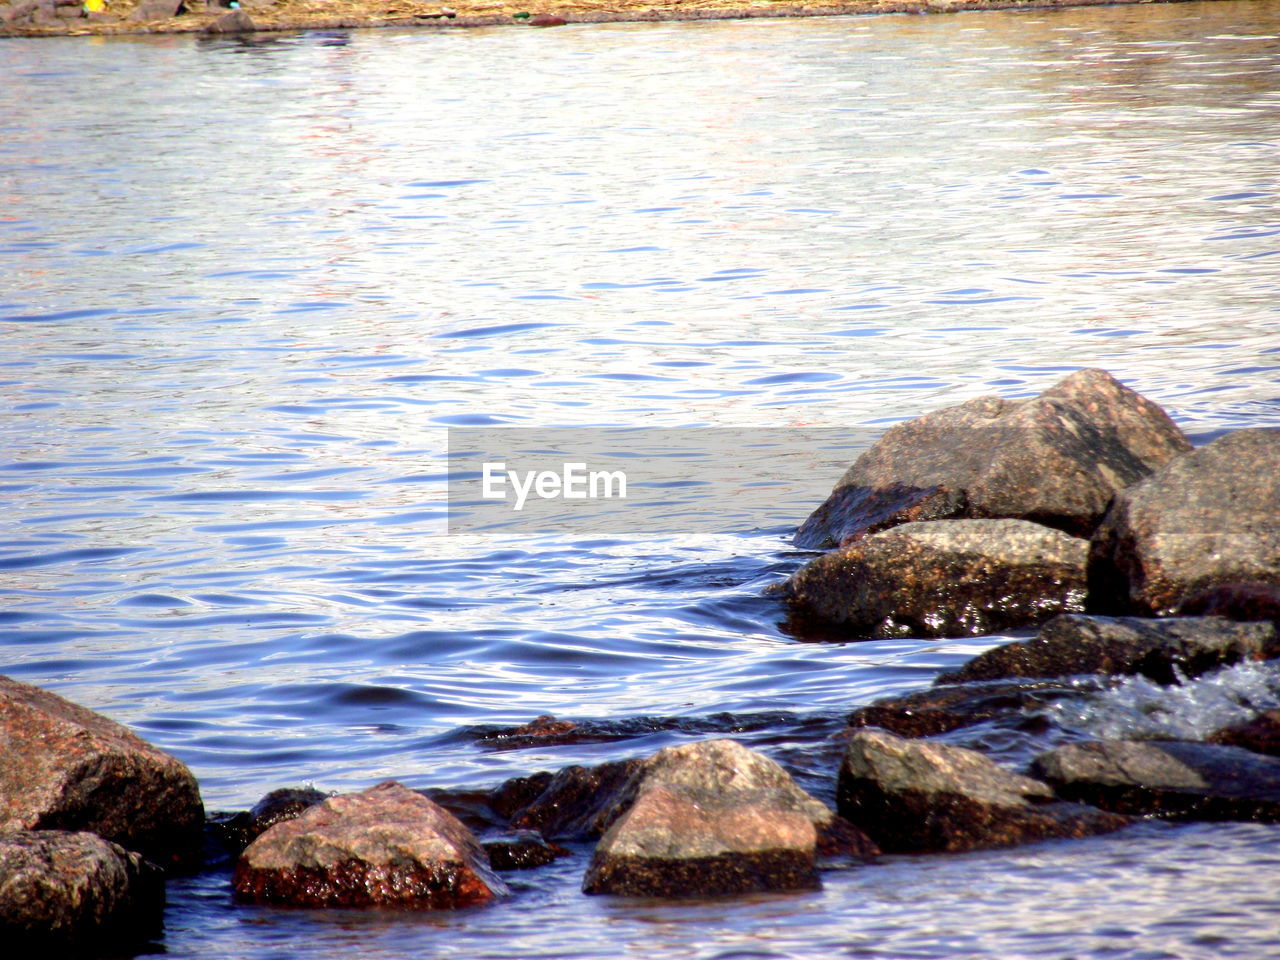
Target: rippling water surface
248,285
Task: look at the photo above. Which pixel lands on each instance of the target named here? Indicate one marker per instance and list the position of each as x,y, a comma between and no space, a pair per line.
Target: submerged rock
64,767
1056,459
709,818
1261,734
1210,517
945,578
1175,779
1159,649
72,891
941,709
913,796
524,851
385,846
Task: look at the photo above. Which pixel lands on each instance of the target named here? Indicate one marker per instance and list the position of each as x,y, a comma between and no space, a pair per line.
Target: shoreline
292,16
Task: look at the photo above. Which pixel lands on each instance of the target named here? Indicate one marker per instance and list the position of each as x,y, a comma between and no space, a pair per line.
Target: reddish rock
568,805
1169,778
546,20
523,851
1056,459
385,846
1159,649
944,578
64,891
708,818
913,797
1261,734
1210,517
243,828
63,767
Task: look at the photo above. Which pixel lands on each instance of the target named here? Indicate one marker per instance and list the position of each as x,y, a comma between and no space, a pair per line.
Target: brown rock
1210,517
1175,779
569,805
914,796
243,828
524,851
708,818
546,20
1159,649
385,846
1235,601
1261,734
64,891
944,578
1056,459
63,767
237,21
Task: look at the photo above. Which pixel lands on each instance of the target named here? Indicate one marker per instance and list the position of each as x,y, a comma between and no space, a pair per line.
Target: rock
63,767
569,805
944,578
546,20
1261,734
1160,650
237,21
277,806
1175,779
385,846
157,10
1210,517
941,709
704,819
523,851
914,796
71,891
1056,459
1235,601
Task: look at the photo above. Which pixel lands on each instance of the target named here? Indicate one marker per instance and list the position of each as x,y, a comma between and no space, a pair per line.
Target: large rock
63,767
709,818
944,578
1207,518
1057,459
1175,779
941,709
1160,650
385,846
915,796
64,891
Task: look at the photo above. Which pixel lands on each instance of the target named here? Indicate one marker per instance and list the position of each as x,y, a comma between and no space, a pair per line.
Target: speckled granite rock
1056,459
944,578
385,846
1209,517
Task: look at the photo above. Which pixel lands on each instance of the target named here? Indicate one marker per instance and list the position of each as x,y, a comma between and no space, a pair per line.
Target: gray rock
1207,518
944,578
385,846
63,767
1159,649
237,21
915,796
63,891
708,818
1056,459
1174,779
157,10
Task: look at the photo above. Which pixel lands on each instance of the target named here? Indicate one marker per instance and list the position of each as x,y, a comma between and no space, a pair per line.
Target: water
249,284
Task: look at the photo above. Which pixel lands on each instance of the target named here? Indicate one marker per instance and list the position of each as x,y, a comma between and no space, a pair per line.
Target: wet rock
942,709
64,767
385,846
523,851
1235,601
546,20
707,818
945,578
237,21
914,796
243,828
567,805
1159,649
1175,779
1261,734
1056,459
1210,517
157,10
64,892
